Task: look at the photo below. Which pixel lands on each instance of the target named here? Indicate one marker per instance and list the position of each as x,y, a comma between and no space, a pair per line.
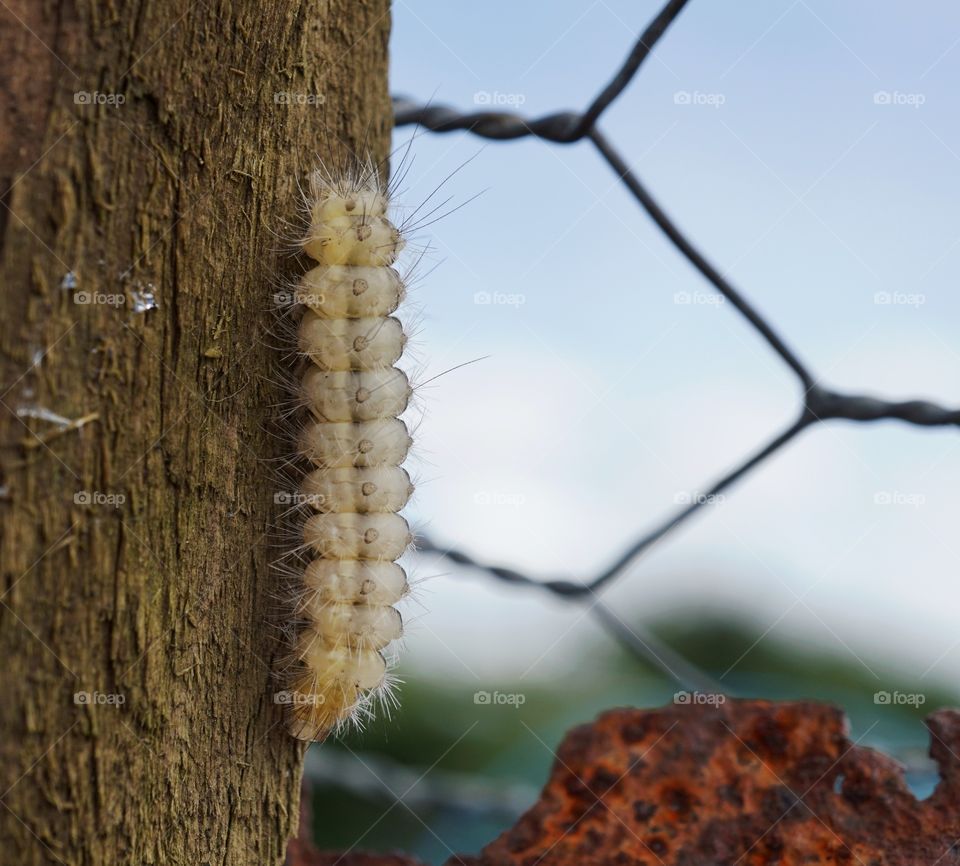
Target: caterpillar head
357,194
348,222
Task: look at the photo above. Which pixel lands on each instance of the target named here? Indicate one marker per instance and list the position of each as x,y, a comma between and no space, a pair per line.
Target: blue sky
811,150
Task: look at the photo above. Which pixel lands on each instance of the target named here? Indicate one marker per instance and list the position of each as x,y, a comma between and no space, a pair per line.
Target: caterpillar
355,443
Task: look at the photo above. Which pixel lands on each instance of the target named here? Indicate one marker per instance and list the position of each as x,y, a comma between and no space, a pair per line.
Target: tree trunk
136,692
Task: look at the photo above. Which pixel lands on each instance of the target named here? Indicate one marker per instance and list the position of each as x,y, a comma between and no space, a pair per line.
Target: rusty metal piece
741,783
745,782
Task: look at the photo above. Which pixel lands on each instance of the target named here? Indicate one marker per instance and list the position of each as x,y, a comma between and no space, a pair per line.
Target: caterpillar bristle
341,340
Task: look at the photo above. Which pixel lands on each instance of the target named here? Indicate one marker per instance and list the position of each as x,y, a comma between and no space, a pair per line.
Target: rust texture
745,783
748,782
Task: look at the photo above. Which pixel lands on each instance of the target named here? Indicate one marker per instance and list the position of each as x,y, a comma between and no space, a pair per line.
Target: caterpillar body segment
374,443
351,292
351,344
348,395
356,444
357,536
377,489
354,240
352,581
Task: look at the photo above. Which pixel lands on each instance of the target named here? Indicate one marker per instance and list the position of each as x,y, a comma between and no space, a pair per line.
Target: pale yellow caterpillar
356,443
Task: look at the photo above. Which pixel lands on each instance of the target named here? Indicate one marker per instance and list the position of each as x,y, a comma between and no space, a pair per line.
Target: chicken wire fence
819,403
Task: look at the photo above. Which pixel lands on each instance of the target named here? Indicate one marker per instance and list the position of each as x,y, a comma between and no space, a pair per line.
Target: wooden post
148,157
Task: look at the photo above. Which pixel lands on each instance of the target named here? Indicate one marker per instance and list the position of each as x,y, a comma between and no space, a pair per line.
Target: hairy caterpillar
356,444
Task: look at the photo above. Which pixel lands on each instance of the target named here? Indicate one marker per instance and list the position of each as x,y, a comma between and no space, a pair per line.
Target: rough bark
162,599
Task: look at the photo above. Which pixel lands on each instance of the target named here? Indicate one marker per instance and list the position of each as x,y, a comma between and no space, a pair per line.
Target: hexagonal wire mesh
820,403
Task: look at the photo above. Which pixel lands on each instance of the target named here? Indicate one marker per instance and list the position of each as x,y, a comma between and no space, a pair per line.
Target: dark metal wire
819,402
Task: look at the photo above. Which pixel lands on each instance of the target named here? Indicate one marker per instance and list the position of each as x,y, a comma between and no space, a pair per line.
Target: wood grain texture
164,598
